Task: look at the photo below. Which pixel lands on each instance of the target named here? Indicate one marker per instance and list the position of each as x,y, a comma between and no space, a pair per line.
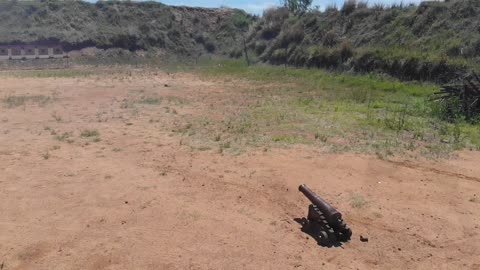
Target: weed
226,145
357,201
291,139
398,120
57,117
64,137
323,138
177,100
149,100
46,156
89,133
126,104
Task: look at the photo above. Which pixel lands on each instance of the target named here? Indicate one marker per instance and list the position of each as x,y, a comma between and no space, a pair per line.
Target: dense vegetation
435,41
121,24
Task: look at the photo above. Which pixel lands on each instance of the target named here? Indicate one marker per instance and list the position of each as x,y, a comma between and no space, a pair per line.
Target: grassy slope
366,113
433,41
128,25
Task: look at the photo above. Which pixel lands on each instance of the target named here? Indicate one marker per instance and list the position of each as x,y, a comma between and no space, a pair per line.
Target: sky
257,6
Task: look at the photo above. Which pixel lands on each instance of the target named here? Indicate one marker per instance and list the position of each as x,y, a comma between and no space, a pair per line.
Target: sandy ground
140,199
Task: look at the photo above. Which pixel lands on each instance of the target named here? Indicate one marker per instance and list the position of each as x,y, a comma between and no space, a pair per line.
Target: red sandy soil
139,199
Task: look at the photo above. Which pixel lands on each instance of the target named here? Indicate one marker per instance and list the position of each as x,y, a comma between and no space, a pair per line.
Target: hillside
434,41
116,24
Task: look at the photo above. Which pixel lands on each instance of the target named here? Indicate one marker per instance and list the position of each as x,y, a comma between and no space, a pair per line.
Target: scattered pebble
363,238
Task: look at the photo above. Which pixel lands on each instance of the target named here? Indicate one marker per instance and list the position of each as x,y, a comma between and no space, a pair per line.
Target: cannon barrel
330,213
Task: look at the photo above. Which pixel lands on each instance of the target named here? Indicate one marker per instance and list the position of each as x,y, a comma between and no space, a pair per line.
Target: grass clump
64,137
87,133
357,201
16,101
150,100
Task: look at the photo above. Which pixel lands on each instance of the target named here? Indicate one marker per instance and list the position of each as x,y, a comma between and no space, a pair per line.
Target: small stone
363,238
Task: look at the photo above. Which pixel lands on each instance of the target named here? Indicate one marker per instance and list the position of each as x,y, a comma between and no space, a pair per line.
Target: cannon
325,221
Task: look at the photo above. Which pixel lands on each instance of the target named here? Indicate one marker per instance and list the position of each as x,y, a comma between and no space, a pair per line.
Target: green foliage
241,20
128,25
428,42
297,5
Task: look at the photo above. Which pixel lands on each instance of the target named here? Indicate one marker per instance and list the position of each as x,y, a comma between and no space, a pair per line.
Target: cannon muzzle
331,214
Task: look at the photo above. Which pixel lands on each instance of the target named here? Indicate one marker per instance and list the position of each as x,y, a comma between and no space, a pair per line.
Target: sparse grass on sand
48,73
16,101
87,133
150,100
344,112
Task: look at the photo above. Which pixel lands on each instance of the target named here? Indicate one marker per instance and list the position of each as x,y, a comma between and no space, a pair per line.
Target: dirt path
136,197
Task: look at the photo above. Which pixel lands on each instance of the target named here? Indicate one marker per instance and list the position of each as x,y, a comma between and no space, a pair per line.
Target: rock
363,238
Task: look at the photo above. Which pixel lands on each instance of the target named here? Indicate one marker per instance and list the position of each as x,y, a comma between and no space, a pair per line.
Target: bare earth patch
138,170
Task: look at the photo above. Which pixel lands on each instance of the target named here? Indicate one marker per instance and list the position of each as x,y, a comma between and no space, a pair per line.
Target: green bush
260,47
349,7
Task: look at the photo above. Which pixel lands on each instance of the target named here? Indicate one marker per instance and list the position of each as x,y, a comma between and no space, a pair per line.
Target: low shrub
349,7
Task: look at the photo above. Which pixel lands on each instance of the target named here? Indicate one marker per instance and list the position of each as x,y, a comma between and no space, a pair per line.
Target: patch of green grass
48,73
177,100
15,101
150,100
366,113
87,133
321,137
